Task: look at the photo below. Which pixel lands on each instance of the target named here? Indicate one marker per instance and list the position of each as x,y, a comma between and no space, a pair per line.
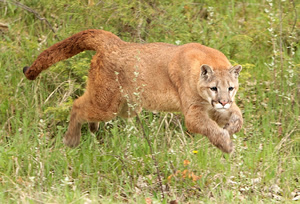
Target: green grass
116,164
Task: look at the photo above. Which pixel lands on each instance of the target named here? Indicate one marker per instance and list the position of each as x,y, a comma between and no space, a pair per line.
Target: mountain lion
125,77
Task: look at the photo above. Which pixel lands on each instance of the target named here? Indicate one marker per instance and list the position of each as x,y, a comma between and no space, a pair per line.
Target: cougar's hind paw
71,141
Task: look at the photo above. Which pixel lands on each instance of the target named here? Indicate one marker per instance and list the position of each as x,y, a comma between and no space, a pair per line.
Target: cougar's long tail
86,40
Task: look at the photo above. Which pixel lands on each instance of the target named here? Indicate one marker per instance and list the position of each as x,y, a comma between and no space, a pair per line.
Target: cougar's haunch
194,79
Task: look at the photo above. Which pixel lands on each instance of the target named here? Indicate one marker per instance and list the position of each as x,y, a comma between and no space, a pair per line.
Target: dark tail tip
29,73
25,69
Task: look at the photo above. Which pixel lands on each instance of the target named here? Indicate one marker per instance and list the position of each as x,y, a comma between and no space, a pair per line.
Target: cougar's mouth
219,106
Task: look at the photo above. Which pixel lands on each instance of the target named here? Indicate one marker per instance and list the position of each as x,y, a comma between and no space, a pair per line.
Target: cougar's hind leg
93,126
72,137
84,110
100,102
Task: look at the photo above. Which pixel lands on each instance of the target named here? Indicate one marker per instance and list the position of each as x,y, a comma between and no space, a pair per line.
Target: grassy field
152,158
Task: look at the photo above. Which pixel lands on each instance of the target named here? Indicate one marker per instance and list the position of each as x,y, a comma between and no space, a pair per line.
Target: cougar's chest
220,117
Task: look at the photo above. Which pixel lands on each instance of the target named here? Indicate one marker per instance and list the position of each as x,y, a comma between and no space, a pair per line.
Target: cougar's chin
219,107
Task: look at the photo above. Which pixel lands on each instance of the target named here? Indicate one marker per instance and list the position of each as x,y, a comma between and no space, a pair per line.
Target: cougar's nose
223,102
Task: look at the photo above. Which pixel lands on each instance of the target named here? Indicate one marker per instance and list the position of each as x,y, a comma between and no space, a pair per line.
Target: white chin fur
221,108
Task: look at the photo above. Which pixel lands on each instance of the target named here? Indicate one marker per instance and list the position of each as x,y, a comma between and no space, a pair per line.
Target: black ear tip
25,69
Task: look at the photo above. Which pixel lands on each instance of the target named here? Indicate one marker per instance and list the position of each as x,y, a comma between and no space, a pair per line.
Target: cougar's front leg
235,121
198,121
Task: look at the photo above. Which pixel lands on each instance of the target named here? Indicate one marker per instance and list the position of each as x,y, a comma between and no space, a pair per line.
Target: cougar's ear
206,71
235,71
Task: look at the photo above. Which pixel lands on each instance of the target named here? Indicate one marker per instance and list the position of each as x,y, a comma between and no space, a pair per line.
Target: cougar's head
218,87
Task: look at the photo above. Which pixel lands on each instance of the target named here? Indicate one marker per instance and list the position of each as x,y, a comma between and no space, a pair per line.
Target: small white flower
178,42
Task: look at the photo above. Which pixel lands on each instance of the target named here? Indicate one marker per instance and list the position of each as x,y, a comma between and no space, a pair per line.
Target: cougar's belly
161,100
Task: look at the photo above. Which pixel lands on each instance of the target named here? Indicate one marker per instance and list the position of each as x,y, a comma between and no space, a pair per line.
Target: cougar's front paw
224,142
71,140
234,125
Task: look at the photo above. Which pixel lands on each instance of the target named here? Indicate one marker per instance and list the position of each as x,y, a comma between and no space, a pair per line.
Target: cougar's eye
230,88
214,88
